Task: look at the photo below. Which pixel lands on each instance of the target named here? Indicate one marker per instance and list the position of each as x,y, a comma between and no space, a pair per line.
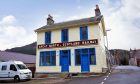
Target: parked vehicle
16,70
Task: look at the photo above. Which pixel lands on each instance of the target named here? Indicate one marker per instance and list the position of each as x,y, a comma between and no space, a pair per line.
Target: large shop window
90,52
64,35
84,33
48,58
47,37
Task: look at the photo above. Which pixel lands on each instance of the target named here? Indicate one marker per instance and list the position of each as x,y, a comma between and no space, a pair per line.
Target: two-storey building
75,46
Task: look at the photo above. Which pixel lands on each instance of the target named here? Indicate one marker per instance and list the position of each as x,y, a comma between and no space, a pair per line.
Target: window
12,67
42,58
92,56
21,66
48,58
90,52
4,67
64,35
78,58
84,33
47,37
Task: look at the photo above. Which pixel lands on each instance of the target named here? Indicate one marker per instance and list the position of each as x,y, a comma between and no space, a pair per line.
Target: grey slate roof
95,19
6,56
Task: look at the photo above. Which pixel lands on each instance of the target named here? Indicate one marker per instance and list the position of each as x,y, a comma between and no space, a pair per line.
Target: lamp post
107,37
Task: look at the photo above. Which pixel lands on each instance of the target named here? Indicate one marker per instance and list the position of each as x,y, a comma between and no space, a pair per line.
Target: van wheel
16,79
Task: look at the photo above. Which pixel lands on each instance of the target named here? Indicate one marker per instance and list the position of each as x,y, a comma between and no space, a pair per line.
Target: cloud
123,18
12,34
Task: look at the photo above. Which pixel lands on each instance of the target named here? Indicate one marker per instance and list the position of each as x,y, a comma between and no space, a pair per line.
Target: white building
74,46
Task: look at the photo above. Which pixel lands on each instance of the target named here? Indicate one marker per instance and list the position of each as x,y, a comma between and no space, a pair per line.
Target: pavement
120,75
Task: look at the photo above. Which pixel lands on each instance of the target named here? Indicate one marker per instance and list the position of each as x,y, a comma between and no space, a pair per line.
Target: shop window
90,52
48,58
64,35
84,33
47,37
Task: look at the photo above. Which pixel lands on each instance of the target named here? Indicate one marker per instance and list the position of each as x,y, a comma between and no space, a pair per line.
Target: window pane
91,59
92,51
47,37
4,67
41,58
53,60
21,66
53,53
64,35
78,59
12,67
48,60
77,52
84,33
84,51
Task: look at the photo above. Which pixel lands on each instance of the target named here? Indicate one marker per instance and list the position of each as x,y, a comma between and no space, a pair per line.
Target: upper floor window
47,37
64,35
84,33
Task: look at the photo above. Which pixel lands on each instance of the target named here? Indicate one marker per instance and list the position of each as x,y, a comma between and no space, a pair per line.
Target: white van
16,70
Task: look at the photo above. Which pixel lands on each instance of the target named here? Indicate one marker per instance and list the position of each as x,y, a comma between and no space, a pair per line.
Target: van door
13,71
4,72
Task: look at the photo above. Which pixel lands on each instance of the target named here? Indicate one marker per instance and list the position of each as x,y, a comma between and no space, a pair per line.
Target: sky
19,19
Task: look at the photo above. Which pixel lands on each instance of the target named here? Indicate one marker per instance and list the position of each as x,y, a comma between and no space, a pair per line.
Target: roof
91,20
6,56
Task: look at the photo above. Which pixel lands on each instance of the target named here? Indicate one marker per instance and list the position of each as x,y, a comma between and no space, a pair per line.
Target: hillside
27,49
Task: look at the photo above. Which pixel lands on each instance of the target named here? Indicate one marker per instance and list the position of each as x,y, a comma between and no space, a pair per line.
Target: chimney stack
97,11
50,20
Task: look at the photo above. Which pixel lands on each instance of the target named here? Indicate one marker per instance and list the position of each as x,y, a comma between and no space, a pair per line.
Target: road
122,76
113,78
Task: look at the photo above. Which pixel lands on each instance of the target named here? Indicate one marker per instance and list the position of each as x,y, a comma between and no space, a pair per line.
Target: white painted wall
74,35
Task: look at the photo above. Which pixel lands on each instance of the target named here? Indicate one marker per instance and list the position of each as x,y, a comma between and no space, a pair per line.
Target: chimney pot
50,20
97,11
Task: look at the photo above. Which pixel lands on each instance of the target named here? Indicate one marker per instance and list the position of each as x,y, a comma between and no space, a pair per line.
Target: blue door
64,60
84,63
65,64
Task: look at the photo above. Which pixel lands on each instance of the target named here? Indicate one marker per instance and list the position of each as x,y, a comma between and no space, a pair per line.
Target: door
65,64
65,60
84,63
13,71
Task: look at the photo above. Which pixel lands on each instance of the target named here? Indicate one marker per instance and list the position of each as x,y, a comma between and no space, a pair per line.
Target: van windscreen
21,66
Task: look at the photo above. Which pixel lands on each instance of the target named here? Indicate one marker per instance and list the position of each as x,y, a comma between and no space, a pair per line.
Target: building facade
74,46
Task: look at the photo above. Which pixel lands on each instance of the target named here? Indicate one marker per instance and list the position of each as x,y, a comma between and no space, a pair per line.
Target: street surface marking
102,83
105,79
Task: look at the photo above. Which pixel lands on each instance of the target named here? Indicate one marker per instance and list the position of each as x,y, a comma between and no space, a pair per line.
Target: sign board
68,44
